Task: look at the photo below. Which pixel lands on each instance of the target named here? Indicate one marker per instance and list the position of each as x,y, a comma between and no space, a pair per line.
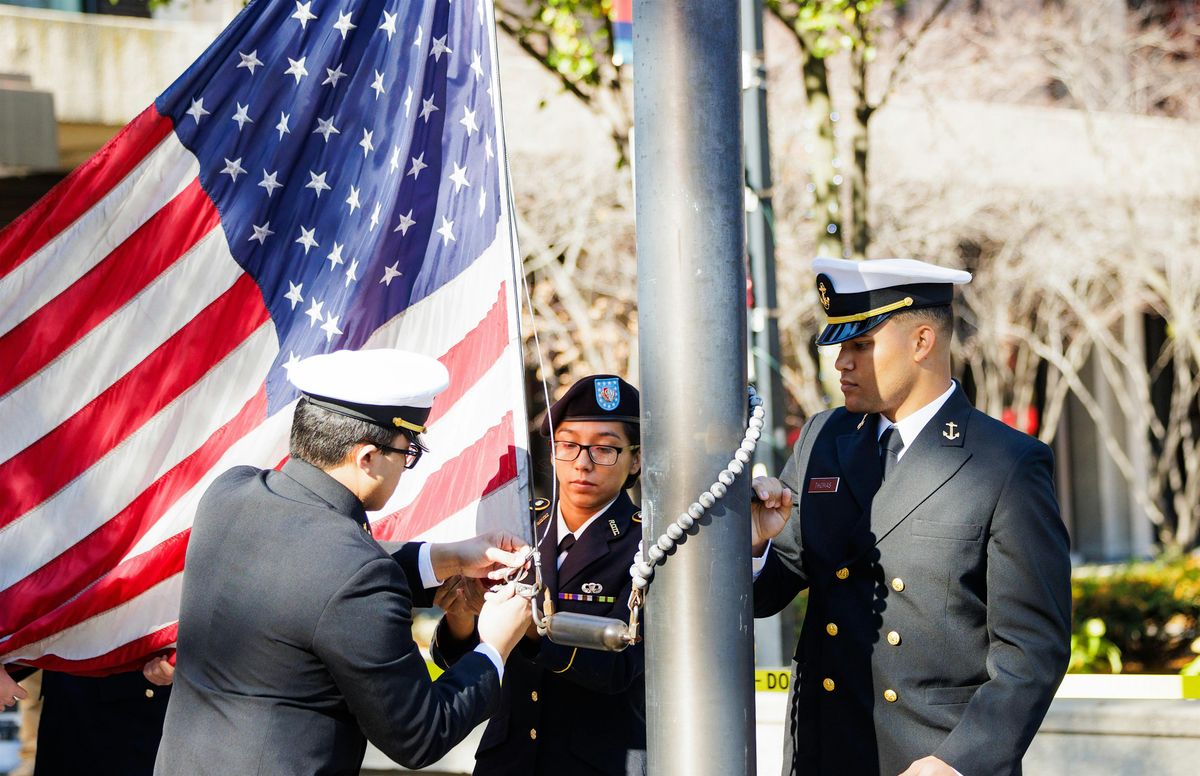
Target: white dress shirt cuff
425,564
488,651
756,564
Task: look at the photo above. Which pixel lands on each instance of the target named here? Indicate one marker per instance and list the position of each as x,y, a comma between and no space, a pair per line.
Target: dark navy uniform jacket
939,607
565,710
295,641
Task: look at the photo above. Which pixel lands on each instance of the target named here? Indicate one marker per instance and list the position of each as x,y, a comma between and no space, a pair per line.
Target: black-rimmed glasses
413,453
601,455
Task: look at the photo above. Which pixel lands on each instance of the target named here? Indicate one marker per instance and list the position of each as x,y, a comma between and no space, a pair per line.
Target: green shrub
1150,610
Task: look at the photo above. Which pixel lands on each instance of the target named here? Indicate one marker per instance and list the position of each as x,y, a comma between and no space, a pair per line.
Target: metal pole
773,636
692,332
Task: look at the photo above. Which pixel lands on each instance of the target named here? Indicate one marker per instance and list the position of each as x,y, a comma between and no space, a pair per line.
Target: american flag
330,174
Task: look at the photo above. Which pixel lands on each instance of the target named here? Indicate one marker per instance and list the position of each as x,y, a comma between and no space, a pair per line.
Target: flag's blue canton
350,148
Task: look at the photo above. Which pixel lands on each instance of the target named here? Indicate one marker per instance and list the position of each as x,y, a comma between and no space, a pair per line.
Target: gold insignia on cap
887,308
821,289
402,423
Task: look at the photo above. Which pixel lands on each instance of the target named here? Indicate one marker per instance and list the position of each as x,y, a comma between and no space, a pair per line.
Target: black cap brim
836,333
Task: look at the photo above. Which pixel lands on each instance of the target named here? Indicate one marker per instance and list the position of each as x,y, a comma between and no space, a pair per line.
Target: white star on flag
282,126
427,108
389,24
325,128
330,327
270,182
197,110
446,230
332,75
417,39
439,48
303,14
335,256
375,217
261,233
317,183
367,145
352,200
418,164
408,101
394,162
350,272
250,61
296,68
476,65
459,176
293,295
241,116
233,168
343,24
406,220
308,239
378,85
468,121
314,312
390,274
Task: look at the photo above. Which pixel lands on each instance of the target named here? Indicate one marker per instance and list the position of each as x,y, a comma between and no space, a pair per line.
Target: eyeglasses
601,455
414,452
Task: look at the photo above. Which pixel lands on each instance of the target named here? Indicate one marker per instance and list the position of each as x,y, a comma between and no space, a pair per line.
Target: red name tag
823,484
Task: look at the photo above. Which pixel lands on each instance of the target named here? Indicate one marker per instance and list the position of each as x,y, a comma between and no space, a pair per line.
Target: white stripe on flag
116,479
263,447
131,620
119,344
158,179
481,407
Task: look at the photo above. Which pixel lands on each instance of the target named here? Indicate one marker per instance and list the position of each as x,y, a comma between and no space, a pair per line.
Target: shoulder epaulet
637,516
540,509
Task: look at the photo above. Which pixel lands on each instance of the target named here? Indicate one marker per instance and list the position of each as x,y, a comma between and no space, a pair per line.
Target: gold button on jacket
828,684
893,638
533,734
842,573
890,696
898,584
533,696
831,629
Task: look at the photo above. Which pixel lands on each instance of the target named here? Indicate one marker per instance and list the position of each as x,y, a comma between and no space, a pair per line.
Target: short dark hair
324,438
940,317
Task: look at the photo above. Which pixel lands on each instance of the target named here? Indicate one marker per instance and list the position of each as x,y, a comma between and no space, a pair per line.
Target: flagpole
692,335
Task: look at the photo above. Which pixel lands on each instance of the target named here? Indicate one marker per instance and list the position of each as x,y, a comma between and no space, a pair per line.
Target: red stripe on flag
472,356
121,585
127,657
64,576
86,185
474,473
40,470
155,246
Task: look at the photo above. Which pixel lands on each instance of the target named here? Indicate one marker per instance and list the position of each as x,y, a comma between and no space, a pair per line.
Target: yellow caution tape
1127,686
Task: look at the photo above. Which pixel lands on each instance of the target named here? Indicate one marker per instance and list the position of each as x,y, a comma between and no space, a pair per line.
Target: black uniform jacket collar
616,521
931,460
326,489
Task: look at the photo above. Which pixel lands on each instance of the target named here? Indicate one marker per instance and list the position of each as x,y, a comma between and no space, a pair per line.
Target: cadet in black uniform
566,710
928,535
295,626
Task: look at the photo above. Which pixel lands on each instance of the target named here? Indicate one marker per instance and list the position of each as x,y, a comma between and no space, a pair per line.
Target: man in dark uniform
295,643
928,535
565,710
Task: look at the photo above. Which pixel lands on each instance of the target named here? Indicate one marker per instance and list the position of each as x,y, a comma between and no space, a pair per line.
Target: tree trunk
826,209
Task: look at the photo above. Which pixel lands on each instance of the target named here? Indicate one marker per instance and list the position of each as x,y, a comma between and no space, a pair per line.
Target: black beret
596,397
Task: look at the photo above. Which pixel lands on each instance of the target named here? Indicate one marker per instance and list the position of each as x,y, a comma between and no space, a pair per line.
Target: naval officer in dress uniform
929,538
565,710
295,644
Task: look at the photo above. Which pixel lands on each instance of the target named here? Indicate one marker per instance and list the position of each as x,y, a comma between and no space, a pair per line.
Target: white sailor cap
390,388
860,295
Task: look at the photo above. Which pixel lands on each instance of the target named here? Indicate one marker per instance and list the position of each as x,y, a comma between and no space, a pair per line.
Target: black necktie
566,543
890,445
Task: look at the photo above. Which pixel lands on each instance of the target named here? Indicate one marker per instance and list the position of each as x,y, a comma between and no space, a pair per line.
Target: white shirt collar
911,426
562,524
